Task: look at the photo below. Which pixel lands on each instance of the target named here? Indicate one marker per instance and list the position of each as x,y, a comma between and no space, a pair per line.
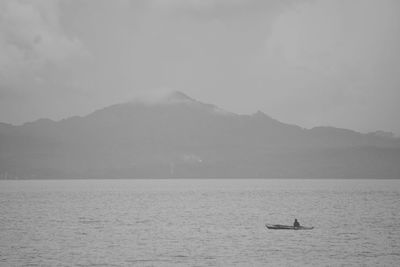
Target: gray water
199,222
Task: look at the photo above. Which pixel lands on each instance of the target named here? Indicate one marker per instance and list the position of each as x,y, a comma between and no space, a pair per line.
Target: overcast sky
306,62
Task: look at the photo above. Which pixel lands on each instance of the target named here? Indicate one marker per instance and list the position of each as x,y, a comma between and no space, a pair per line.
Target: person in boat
296,224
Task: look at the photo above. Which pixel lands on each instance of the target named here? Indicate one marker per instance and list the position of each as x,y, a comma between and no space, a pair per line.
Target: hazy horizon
307,63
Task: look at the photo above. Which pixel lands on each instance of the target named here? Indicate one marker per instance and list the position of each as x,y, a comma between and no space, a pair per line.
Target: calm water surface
199,222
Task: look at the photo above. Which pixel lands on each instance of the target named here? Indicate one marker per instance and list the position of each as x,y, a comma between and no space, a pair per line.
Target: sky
304,62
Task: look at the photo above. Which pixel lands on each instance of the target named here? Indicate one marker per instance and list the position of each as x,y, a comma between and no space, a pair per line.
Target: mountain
177,136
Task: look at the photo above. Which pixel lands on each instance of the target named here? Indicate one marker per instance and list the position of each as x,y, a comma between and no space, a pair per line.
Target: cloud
333,37
338,57
221,9
31,36
197,4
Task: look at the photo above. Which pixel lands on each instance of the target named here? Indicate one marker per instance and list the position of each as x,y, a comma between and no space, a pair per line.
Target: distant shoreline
194,178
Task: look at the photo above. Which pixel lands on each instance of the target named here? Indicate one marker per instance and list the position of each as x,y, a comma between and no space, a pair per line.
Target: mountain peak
177,96
170,97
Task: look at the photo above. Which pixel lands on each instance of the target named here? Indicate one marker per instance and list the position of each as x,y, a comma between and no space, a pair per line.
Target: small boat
287,227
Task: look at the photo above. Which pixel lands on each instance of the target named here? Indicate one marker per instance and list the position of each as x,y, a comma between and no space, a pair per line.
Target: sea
199,222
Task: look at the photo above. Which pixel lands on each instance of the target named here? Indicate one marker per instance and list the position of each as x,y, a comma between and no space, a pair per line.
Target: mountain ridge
178,97
143,140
